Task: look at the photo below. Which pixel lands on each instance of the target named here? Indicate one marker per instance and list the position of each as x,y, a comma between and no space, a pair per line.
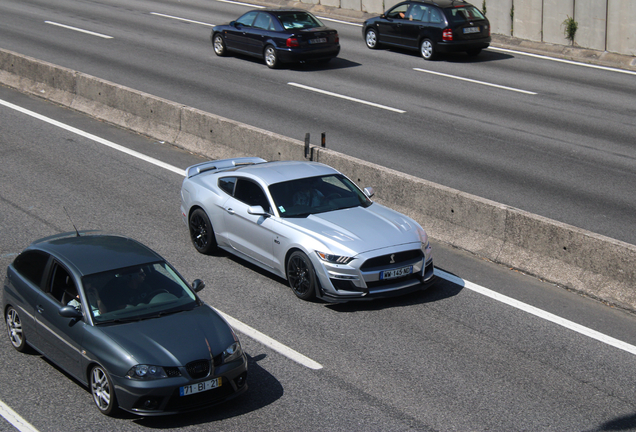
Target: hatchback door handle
40,308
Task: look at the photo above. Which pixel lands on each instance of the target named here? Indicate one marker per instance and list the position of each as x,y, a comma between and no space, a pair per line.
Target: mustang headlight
334,259
146,372
232,352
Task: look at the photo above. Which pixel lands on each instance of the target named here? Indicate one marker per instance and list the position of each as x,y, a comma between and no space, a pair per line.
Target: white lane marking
181,19
243,328
538,312
242,4
475,81
271,343
346,97
79,30
12,417
572,62
338,21
95,138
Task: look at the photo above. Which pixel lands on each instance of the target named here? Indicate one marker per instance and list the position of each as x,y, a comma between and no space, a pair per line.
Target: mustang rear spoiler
222,164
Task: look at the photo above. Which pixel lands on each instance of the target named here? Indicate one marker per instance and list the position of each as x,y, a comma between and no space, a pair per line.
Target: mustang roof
92,253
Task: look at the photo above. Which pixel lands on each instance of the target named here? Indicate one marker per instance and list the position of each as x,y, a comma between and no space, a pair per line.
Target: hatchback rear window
464,14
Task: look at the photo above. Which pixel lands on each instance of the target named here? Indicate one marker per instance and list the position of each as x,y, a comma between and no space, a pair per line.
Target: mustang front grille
392,260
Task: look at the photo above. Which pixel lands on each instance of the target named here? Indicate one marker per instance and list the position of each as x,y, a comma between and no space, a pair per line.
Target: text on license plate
318,40
199,387
396,273
471,30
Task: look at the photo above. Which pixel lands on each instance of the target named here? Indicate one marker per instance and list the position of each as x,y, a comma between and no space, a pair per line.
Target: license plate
396,273
318,40
471,30
200,387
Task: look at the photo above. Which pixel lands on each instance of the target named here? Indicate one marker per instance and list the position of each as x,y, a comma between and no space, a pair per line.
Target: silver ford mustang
309,224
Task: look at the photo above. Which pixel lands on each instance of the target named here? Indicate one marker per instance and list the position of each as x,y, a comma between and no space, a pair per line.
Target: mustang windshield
137,292
307,196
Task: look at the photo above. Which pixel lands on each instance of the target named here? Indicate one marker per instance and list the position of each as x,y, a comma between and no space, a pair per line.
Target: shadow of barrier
595,265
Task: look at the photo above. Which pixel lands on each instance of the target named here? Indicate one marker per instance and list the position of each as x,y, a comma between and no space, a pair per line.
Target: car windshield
464,14
298,20
307,196
138,292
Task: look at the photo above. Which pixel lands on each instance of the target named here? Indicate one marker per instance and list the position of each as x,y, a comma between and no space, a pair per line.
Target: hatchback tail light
292,43
447,34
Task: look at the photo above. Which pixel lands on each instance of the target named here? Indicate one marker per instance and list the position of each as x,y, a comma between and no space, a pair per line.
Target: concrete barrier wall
595,265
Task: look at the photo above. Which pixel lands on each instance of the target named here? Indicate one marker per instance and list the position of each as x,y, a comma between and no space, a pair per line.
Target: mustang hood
360,229
173,340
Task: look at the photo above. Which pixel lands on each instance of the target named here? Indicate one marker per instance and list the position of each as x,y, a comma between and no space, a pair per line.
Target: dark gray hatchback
118,318
432,27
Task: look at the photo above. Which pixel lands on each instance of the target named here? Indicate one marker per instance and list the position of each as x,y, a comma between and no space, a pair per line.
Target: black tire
473,52
218,43
371,38
427,49
201,232
271,57
14,329
301,276
103,391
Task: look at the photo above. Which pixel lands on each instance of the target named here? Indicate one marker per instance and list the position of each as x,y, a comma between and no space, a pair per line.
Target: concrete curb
592,264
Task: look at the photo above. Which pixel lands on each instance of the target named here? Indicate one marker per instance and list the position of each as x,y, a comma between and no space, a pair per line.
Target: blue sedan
277,36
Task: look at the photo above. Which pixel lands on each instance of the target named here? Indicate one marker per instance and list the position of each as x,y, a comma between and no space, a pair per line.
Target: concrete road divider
595,265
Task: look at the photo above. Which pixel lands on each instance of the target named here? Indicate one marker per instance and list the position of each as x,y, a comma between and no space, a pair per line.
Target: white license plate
396,273
471,30
200,387
318,40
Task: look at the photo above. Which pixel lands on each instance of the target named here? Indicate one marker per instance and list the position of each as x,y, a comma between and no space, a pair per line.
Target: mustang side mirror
257,211
70,312
369,191
198,285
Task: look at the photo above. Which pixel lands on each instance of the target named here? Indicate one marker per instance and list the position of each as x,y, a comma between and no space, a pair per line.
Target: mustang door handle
229,210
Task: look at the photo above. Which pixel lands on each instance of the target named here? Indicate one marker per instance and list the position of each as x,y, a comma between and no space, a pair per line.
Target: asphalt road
449,359
551,138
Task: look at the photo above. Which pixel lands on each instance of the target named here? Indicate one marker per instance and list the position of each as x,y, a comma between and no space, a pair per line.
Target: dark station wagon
430,26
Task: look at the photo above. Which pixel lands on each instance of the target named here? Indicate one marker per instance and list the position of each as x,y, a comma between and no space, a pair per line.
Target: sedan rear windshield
298,20
464,14
307,196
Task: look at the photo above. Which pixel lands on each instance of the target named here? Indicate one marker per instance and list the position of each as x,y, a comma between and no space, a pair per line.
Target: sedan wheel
201,232
271,57
14,327
103,391
371,39
427,49
301,276
219,45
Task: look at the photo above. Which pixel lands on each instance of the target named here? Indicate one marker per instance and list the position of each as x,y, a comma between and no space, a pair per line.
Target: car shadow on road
264,389
460,57
305,66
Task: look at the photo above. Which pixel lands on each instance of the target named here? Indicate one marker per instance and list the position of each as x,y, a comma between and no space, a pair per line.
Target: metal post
306,145
323,140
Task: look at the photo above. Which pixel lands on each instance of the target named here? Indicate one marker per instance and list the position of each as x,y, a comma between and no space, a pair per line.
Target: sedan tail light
447,34
292,43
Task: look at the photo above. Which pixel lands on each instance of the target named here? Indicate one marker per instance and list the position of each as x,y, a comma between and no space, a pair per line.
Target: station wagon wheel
271,57
219,45
371,38
301,276
103,391
427,49
201,232
14,328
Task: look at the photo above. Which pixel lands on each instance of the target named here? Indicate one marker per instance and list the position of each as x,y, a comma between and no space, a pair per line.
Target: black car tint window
226,184
62,286
436,16
31,264
464,14
247,19
251,194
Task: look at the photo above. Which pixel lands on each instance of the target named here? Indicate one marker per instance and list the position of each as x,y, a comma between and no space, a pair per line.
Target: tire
14,329
301,276
427,49
371,38
271,57
218,43
473,52
103,391
201,232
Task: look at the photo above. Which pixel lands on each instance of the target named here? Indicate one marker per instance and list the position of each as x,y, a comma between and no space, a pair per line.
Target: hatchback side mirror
70,312
198,285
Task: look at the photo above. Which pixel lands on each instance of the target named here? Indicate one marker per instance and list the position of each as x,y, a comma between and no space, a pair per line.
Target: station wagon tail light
334,259
447,34
292,43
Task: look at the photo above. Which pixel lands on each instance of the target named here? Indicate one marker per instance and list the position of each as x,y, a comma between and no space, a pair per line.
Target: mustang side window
226,184
251,194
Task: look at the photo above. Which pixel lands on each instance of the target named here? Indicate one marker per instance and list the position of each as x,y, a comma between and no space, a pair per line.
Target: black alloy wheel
301,276
201,232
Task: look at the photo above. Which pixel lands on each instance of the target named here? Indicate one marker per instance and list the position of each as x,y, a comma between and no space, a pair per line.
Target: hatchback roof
95,253
446,3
